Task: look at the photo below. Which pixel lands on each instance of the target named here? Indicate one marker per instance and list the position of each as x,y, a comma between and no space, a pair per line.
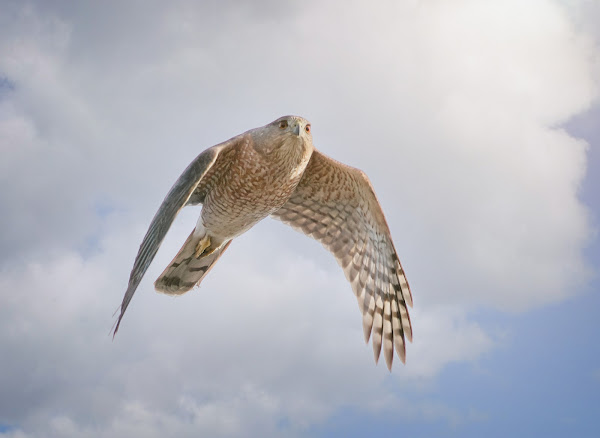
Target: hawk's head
285,132
294,125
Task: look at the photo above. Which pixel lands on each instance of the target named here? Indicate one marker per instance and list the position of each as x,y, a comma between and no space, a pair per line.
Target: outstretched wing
336,205
189,189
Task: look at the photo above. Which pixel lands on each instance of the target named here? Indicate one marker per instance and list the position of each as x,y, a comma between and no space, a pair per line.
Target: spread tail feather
186,271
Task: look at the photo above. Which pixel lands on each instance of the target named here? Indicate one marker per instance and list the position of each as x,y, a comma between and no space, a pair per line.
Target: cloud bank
455,113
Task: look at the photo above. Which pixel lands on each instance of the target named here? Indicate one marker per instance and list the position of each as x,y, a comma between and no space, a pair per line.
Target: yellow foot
202,246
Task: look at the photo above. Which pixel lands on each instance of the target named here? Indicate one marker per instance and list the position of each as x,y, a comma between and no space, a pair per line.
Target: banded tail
186,271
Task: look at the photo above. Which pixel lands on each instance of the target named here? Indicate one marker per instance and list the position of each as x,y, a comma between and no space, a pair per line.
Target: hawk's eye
307,129
283,124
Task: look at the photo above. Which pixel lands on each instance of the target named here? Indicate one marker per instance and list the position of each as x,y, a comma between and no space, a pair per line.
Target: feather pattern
336,205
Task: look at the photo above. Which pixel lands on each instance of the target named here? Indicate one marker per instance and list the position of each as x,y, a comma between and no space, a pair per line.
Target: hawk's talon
202,246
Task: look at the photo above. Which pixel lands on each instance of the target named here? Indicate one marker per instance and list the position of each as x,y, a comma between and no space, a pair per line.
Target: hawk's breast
254,186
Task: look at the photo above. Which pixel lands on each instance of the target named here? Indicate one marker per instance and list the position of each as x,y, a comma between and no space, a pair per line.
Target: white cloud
248,350
479,184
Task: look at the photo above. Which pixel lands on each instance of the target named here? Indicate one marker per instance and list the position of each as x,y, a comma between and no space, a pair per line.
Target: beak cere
297,129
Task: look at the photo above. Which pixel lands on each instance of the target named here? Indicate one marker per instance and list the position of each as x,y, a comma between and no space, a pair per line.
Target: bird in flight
275,171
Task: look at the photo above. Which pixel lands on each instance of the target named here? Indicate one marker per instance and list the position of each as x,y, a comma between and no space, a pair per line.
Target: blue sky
476,121
544,382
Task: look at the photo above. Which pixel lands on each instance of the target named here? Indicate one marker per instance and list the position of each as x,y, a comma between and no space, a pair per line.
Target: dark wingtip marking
114,328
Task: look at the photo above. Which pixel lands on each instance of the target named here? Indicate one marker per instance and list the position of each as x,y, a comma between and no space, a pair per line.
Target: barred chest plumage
256,184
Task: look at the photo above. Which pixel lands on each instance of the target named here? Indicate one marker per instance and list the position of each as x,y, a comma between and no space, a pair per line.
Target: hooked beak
297,129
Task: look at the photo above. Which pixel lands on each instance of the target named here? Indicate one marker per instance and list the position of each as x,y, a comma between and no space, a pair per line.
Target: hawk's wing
336,205
189,189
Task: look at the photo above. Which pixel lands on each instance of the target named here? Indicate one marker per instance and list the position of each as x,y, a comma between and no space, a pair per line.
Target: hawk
275,170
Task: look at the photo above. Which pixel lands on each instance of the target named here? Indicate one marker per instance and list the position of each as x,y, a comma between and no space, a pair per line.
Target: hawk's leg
203,247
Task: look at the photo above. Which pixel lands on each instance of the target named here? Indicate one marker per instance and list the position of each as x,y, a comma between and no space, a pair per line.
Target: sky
476,122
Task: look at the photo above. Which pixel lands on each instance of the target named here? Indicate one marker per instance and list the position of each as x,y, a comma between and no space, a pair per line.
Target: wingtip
367,326
402,355
408,299
389,358
409,335
376,359
400,347
115,327
376,347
